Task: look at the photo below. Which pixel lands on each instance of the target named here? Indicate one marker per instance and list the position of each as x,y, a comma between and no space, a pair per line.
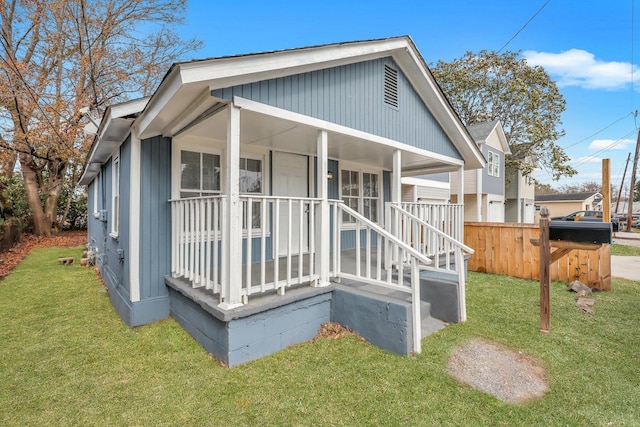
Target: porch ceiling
262,130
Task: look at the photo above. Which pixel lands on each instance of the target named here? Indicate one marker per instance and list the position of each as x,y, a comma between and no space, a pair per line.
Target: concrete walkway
627,267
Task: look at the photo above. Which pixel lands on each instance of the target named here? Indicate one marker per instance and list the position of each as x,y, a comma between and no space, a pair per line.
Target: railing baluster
216,239
289,242
276,244
249,239
263,246
300,240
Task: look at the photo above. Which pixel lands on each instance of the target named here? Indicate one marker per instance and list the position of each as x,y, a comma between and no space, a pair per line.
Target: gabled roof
187,86
569,197
185,92
482,131
113,128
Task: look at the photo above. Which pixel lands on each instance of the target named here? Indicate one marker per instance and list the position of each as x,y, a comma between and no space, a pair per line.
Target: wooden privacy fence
506,249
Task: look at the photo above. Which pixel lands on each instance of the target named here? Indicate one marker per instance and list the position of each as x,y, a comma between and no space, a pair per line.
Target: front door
291,178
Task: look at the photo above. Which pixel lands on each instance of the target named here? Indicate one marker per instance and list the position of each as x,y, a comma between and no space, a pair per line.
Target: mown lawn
67,359
623,250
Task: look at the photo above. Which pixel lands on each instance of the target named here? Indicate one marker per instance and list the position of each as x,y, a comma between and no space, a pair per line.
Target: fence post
545,279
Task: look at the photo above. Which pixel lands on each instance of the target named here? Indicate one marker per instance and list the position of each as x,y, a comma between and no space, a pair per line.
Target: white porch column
322,218
231,295
479,195
396,177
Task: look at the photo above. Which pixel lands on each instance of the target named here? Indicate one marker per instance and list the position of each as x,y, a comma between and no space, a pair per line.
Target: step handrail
387,235
457,243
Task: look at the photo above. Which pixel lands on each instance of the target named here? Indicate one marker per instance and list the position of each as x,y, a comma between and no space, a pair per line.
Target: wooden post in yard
606,190
545,277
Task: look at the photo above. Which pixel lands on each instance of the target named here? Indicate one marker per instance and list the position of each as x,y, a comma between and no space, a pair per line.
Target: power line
524,26
600,131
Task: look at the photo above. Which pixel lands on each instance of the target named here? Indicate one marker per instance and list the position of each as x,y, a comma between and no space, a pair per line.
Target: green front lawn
67,359
623,250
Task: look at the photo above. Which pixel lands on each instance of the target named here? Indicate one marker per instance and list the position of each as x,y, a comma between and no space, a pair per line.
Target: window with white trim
361,192
115,195
96,187
251,182
493,164
199,174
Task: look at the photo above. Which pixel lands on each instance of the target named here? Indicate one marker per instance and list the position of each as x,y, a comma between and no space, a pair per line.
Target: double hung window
361,192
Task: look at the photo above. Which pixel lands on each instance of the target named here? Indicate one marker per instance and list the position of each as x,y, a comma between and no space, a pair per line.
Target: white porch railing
370,268
448,218
446,252
282,232
196,235
198,242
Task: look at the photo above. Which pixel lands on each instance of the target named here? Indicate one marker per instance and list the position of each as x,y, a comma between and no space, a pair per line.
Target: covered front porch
288,200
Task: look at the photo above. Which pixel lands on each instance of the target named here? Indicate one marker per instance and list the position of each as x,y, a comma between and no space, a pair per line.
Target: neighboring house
484,189
520,193
560,204
426,189
255,197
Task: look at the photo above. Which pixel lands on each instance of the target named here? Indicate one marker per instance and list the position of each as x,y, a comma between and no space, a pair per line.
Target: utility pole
624,174
633,183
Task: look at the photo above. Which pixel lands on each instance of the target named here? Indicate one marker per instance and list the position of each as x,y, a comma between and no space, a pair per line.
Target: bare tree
59,56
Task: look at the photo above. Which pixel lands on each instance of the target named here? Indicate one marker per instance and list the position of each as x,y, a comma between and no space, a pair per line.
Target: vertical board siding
506,249
352,96
155,216
491,184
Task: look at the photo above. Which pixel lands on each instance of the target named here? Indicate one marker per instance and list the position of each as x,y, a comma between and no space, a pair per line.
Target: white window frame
178,147
361,170
187,144
494,164
96,187
115,194
256,232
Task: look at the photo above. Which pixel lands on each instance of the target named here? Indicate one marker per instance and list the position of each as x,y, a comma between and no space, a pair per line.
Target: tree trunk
41,224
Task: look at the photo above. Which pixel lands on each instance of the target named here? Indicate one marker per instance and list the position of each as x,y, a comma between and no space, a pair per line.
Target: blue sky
585,46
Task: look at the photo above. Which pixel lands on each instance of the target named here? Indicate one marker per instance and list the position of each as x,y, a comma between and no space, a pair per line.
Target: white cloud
611,144
577,67
586,159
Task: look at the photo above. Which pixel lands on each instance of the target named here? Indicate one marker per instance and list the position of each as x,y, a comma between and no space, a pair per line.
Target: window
96,187
251,183
199,174
494,164
115,198
361,192
390,86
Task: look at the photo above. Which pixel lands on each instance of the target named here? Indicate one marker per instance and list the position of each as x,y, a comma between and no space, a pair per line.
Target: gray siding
440,177
155,216
492,184
352,96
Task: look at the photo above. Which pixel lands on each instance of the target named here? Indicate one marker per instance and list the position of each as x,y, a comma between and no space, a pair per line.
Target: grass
623,250
67,359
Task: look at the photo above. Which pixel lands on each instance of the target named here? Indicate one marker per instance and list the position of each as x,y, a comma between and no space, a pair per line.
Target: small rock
580,288
585,305
586,301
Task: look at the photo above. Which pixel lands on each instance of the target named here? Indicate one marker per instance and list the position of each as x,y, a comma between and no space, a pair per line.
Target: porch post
479,196
322,218
396,177
231,295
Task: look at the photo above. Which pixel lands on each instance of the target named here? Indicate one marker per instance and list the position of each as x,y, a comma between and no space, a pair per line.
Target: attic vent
390,86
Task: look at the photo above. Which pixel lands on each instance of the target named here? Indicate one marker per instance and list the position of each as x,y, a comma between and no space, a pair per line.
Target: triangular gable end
353,95
185,93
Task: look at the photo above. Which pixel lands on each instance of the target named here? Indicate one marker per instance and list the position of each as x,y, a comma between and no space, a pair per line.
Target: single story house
255,197
560,204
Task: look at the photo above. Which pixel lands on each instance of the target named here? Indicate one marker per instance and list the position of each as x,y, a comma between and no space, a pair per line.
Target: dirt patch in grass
333,330
507,374
29,242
